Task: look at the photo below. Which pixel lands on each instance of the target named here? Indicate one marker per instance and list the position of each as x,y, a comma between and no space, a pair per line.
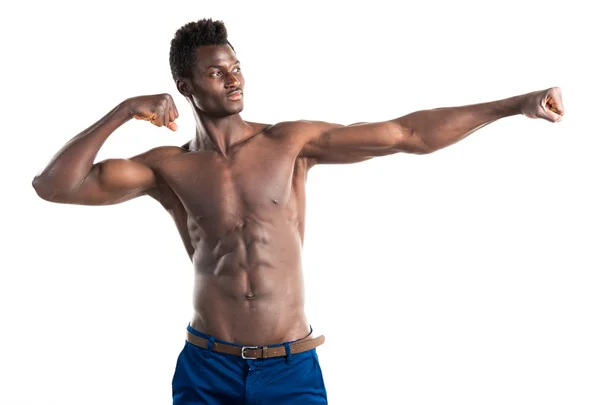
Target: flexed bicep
111,181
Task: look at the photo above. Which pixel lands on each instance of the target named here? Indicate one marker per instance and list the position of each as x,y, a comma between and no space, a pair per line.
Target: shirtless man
236,192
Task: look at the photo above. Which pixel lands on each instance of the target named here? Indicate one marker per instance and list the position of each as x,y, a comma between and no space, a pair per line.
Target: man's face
217,81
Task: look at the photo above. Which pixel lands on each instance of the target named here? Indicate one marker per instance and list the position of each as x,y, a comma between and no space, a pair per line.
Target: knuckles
153,108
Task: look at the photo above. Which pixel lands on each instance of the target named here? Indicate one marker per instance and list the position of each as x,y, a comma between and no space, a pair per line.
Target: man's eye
215,74
237,69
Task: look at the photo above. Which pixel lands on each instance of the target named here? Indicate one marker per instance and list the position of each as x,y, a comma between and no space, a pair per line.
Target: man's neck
220,134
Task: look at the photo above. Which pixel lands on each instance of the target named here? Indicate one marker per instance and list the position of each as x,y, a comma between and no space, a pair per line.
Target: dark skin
236,191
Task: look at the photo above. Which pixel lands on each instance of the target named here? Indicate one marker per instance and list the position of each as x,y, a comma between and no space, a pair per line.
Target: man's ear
184,87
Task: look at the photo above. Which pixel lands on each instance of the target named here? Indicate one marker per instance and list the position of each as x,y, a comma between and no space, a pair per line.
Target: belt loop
288,352
208,352
264,350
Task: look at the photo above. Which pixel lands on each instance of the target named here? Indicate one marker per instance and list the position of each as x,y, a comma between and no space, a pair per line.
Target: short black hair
188,38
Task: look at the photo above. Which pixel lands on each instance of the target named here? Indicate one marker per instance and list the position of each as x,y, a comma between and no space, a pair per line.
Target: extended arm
73,177
424,131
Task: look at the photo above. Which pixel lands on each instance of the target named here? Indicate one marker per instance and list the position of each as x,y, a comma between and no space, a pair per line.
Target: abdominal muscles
248,285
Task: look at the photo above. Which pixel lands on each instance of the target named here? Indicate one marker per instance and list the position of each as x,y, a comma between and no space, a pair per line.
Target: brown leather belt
258,352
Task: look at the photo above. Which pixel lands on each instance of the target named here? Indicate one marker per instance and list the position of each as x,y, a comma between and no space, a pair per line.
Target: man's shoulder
299,128
155,155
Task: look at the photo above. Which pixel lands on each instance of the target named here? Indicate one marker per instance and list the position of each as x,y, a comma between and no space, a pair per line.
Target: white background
468,276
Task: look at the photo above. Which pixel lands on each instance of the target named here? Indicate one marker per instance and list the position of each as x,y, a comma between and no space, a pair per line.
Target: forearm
69,167
435,129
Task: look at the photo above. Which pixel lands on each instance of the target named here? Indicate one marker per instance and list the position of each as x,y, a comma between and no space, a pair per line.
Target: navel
250,296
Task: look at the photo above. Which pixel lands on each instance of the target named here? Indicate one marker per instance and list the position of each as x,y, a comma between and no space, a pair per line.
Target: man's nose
231,81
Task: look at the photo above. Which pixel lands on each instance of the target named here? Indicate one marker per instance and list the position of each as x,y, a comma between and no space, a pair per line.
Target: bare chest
258,183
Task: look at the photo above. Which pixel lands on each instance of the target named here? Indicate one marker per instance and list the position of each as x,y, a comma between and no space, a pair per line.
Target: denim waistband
209,337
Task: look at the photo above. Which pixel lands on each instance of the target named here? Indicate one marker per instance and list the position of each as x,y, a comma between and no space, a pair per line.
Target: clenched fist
545,104
159,109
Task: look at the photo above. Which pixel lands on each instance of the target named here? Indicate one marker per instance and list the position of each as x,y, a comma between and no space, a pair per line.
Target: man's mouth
235,95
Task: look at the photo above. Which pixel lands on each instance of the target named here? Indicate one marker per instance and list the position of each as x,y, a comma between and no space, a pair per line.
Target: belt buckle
248,348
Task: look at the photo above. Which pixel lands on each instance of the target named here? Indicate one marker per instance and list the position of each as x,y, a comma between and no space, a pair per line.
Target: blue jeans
203,376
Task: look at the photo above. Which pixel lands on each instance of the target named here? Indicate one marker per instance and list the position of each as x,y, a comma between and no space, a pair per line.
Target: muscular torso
241,218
